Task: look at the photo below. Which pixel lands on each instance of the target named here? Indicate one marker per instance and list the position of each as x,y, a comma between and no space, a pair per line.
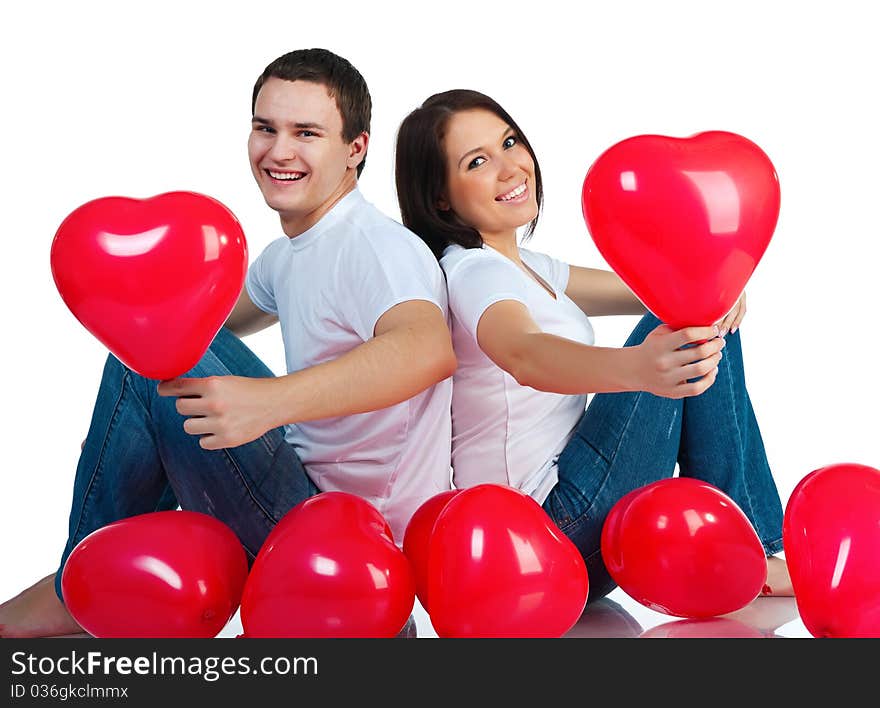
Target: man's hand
226,411
731,322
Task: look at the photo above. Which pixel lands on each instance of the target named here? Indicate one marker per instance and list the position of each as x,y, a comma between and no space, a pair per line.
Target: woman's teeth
513,194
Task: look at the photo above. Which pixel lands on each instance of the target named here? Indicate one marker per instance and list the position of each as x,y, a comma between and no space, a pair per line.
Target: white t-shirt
502,431
329,286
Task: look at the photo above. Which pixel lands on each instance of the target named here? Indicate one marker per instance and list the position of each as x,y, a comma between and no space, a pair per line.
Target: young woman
467,180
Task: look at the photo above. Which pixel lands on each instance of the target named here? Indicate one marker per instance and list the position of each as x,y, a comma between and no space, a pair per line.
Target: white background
135,99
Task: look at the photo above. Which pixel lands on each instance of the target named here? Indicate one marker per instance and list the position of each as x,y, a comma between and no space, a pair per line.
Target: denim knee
645,326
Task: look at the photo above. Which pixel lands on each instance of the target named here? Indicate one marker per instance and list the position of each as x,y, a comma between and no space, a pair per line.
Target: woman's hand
665,369
732,320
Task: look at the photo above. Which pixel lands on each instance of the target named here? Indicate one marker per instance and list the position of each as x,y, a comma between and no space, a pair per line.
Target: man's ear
358,150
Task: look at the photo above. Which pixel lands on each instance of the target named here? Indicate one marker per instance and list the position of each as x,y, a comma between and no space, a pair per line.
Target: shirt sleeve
556,271
258,281
387,268
477,280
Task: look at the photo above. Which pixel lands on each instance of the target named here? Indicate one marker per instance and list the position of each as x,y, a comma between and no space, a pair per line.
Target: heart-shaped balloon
683,547
417,537
683,221
831,536
330,568
499,567
135,578
152,279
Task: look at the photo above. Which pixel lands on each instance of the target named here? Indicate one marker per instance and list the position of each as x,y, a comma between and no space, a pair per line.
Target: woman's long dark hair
420,169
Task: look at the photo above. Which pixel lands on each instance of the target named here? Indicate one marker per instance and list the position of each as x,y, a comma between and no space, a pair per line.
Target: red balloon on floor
152,279
499,567
682,547
683,221
330,568
417,537
163,574
831,536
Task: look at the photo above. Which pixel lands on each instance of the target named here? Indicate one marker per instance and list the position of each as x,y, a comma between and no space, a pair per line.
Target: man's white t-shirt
329,286
502,431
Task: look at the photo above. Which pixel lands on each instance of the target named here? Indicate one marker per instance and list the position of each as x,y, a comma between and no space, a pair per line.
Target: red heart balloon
683,547
334,504
831,536
330,568
152,279
499,567
417,537
134,577
683,221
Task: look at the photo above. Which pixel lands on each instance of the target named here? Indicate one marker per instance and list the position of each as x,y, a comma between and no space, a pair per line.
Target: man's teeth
513,194
290,176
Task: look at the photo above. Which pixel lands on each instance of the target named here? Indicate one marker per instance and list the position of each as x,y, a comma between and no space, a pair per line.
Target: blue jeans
137,459
627,440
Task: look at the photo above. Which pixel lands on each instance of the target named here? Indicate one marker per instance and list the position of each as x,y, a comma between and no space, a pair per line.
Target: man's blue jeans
627,440
137,458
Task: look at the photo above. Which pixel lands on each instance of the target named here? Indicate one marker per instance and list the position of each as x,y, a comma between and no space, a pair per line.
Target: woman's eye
476,162
509,142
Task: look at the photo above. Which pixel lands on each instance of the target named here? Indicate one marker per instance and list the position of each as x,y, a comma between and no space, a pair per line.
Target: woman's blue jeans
627,440
137,459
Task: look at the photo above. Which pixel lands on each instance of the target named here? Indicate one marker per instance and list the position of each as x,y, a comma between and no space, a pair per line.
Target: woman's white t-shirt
502,431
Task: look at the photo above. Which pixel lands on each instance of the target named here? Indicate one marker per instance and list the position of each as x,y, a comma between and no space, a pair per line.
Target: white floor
618,615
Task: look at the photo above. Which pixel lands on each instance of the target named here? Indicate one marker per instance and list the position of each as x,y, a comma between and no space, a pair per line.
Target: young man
365,405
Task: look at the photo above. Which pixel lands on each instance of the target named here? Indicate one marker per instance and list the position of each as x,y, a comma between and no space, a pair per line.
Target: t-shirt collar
337,212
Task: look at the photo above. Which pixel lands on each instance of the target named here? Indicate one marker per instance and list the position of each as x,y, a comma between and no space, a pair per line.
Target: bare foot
778,580
37,612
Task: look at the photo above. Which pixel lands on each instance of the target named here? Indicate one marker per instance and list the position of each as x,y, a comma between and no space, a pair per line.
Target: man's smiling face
297,154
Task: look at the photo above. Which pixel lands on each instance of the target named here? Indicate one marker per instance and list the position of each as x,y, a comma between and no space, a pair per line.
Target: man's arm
601,292
411,350
246,318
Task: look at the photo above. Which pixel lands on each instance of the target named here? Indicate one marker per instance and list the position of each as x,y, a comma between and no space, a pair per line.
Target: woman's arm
510,337
601,292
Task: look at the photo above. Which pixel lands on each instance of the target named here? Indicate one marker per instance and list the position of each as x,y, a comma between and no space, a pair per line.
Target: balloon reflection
714,627
605,618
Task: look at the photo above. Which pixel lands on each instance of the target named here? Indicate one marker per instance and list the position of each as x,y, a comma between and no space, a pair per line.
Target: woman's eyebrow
482,149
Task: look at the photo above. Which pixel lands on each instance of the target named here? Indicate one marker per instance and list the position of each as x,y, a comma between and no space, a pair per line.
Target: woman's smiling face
490,174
